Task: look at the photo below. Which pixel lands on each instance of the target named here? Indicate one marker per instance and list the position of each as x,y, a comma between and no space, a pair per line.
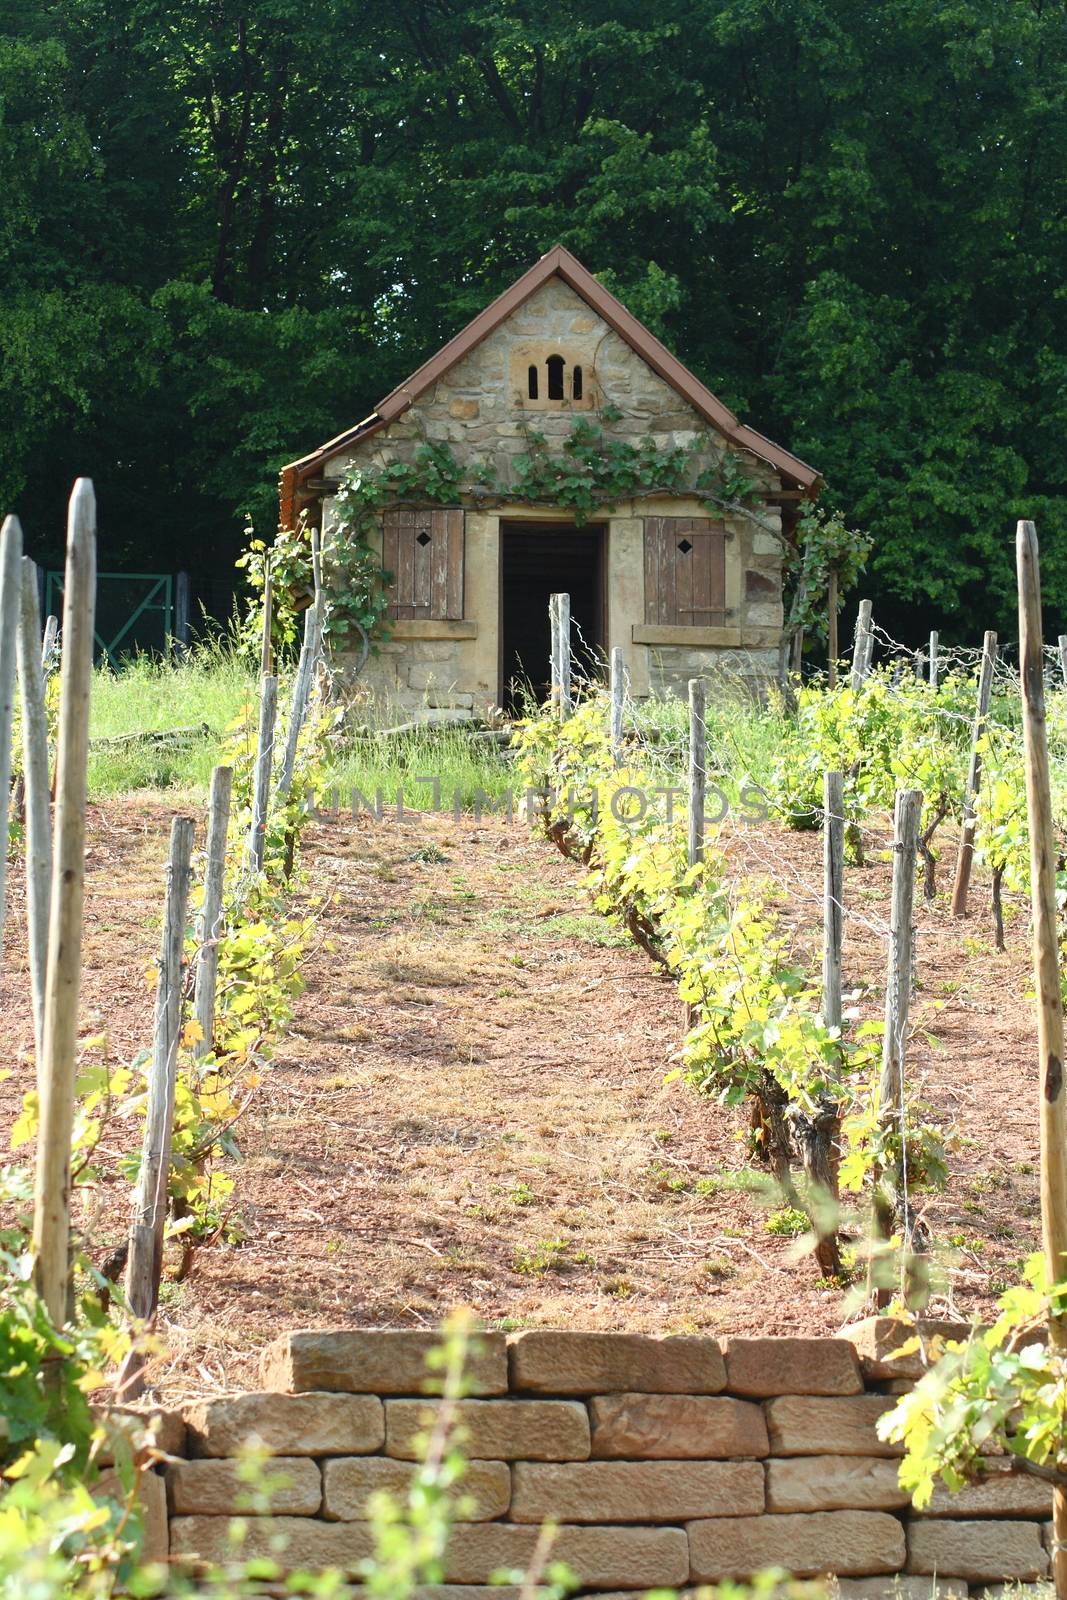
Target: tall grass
460,761
206,688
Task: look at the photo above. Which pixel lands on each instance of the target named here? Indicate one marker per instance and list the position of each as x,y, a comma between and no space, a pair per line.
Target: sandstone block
676,1426
877,1339
483,1493
834,1483
375,1361
792,1366
602,1558
291,1541
900,1587
636,1491
145,1428
801,1425
852,1543
1002,1493
292,1486
463,409
546,1362
287,1424
151,1499
497,1430
980,1551
1015,1591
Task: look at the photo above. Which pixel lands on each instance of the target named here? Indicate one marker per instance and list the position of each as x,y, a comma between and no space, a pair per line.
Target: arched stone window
555,365
531,382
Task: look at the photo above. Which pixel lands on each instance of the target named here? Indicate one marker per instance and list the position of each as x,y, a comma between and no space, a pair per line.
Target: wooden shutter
424,552
685,572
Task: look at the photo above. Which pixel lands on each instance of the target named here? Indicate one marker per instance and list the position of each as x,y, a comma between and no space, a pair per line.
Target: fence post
38,792
1043,850
207,959
859,643
698,767
302,682
831,629
901,946
182,608
268,712
553,654
10,585
974,777
48,646
145,1263
266,649
932,664
566,701
618,700
833,856
51,1194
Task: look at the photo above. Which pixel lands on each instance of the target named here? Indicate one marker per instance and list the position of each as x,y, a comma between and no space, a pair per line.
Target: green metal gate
134,612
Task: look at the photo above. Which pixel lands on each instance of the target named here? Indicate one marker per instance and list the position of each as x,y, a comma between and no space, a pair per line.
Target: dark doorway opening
539,559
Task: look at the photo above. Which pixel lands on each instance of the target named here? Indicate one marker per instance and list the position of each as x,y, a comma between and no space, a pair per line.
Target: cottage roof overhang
558,262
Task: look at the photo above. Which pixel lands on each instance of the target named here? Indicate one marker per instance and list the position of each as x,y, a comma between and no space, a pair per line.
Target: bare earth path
470,1105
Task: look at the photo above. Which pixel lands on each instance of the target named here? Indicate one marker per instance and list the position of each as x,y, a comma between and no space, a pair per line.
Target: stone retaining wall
668,1462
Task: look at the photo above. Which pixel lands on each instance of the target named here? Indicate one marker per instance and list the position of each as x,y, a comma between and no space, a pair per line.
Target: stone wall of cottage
667,1463
481,410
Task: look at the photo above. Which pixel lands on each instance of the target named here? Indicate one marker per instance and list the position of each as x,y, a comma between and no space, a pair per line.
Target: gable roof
559,262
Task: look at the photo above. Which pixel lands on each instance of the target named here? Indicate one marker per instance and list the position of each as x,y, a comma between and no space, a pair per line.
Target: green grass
209,686
744,737
462,763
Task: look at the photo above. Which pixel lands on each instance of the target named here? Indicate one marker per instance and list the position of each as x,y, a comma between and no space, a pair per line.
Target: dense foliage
231,227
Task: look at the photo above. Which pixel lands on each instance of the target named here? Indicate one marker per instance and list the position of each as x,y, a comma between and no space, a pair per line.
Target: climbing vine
589,471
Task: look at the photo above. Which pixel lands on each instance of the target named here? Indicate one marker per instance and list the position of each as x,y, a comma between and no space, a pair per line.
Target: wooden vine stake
38,791
906,818
566,699
1061,646
965,859
266,649
268,713
831,629
618,701
145,1261
209,921
862,645
932,662
553,654
51,1193
1046,969
833,857
698,767
305,673
10,586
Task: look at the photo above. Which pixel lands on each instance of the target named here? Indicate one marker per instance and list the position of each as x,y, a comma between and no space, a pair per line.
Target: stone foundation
667,1462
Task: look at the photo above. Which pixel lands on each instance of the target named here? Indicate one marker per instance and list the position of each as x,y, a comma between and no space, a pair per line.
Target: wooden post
1043,852
833,857
48,646
859,644
10,589
207,931
901,948
566,701
38,792
618,700
974,777
266,649
698,767
932,664
182,607
268,711
553,654
145,1261
831,629
1061,644
302,682
51,1195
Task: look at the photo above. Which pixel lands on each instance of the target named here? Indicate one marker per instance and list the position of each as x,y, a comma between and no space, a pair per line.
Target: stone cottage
684,577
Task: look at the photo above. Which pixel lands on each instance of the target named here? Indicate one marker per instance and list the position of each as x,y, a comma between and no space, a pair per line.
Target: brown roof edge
559,262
